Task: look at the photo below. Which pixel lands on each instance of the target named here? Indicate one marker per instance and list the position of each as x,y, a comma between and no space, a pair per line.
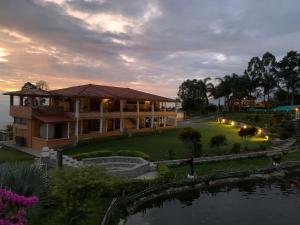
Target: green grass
158,145
224,166
12,155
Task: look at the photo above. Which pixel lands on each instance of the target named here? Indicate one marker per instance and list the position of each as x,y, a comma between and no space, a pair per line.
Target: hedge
94,154
107,153
133,154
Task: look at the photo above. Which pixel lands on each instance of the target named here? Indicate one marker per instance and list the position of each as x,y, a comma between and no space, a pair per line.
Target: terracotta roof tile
100,91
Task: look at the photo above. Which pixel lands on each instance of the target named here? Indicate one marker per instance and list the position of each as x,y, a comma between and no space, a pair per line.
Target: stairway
296,125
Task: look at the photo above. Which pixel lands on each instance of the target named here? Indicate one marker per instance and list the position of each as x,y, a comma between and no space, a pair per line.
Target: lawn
224,166
159,145
12,155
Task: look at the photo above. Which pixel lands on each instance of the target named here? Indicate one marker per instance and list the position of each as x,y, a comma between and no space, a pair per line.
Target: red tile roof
52,118
100,91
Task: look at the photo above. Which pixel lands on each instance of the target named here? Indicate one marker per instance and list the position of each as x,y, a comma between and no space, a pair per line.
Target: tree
192,139
253,74
268,80
223,89
217,141
194,93
289,73
42,85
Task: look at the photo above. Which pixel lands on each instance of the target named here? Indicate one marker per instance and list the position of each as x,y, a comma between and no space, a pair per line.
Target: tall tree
289,72
192,139
269,79
194,93
253,74
223,89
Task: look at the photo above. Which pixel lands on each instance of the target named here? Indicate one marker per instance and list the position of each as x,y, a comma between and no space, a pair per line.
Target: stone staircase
296,125
67,160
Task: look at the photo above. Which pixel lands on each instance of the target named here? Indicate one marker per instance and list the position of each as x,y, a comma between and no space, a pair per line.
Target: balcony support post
21,101
152,115
121,115
77,121
138,114
47,131
68,130
165,114
176,110
101,117
11,100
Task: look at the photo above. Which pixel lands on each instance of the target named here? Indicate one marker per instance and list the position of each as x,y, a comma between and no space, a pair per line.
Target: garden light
245,126
223,120
267,137
296,109
259,131
232,123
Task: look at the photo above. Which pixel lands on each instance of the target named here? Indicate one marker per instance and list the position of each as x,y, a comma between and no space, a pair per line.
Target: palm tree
268,80
289,73
206,89
223,89
192,139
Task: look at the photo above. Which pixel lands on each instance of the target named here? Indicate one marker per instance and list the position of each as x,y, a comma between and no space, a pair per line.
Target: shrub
94,154
133,154
164,172
171,154
217,141
248,131
236,148
75,188
285,134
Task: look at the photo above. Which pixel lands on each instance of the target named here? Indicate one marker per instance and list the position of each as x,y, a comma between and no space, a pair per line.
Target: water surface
276,203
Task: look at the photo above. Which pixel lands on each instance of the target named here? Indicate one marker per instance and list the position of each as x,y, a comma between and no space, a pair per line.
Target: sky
148,45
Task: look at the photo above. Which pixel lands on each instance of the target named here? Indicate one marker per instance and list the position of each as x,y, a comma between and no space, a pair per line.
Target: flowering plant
13,207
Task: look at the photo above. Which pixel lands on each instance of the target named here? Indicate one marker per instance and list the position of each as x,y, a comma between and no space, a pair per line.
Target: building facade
66,116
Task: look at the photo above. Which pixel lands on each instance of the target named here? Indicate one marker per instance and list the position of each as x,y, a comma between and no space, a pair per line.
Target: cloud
147,44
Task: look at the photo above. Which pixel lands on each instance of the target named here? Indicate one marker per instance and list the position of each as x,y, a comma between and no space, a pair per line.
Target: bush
76,188
94,154
171,154
133,154
164,172
236,148
217,141
285,134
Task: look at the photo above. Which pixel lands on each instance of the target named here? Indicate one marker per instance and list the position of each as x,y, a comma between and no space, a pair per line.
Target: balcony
21,111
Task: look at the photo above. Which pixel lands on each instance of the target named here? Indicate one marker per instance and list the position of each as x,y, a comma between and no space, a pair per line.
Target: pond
250,203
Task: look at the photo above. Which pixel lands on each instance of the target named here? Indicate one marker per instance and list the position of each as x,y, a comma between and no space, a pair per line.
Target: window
20,121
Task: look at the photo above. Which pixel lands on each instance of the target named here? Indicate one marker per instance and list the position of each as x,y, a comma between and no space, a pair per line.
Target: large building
66,116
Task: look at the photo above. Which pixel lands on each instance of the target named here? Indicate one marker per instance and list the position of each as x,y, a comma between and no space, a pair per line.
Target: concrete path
27,150
194,122
147,176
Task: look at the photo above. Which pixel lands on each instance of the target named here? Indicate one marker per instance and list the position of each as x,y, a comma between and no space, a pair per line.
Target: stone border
209,159
139,165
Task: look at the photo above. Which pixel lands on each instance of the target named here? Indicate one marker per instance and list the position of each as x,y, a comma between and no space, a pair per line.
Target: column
101,117
47,131
176,109
152,115
21,100
11,100
165,114
138,114
68,130
121,116
77,120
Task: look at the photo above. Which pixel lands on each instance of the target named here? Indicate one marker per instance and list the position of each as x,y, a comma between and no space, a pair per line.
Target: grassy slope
158,145
12,155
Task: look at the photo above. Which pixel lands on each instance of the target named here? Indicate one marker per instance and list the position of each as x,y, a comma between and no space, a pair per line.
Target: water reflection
249,203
